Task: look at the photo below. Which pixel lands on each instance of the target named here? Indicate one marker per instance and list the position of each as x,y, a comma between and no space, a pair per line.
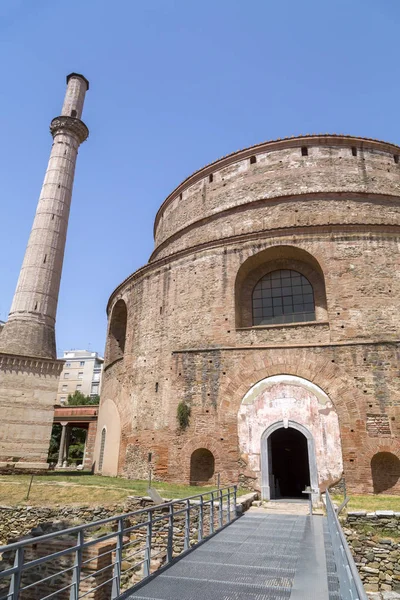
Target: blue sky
174,85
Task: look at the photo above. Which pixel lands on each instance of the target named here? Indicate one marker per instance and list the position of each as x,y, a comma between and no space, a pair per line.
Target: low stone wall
19,521
374,539
30,523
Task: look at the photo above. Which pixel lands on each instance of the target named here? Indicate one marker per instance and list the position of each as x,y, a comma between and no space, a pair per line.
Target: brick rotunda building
270,311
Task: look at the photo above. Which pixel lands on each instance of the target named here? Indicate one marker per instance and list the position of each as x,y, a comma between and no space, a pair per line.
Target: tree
76,447
79,399
54,443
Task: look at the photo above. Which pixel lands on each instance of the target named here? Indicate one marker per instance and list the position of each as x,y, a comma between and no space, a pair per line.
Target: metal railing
107,557
351,587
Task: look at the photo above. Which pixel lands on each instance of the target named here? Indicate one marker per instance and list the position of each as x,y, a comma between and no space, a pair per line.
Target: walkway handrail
135,540
351,587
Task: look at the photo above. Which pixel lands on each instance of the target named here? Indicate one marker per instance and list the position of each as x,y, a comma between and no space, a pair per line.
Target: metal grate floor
333,581
258,557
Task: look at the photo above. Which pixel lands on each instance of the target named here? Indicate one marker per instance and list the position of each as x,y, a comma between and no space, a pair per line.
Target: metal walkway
258,557
270,553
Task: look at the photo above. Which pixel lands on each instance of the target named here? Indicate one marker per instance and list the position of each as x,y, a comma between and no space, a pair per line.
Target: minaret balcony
70,124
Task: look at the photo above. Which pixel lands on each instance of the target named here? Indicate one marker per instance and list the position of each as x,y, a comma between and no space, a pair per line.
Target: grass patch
88,490
370,503
12,494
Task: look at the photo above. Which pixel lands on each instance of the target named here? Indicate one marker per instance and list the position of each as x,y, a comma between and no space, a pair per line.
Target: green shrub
183,415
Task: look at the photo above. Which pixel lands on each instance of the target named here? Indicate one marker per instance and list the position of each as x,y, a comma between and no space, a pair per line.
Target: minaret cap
78,75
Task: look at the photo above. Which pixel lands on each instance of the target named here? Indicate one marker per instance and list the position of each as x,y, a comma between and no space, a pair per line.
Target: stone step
281,507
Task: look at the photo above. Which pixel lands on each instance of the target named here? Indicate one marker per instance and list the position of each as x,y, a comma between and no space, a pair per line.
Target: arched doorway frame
266,457
103,439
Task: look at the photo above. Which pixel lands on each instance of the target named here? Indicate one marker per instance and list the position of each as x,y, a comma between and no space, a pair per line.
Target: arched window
283,296
117,332
201,466
102,448
385,470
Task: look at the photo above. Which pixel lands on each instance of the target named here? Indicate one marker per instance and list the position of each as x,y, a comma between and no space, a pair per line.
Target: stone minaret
30,329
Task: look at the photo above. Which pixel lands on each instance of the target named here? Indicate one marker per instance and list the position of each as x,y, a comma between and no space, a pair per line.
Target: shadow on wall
385,468
117,332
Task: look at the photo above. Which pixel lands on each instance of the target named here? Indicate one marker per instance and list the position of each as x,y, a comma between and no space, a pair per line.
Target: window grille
283,296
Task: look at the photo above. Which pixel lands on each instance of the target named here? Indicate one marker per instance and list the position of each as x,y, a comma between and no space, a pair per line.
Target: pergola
84,417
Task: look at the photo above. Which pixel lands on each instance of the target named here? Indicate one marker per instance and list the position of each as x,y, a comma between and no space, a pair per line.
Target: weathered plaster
110,420
285,398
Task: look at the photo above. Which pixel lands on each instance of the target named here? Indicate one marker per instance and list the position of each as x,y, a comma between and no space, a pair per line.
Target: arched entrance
202,466
288,462
290,472
288,402
385,470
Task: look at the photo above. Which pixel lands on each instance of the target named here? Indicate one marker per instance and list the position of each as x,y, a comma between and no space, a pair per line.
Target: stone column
85,447
61,451
67,444
30,329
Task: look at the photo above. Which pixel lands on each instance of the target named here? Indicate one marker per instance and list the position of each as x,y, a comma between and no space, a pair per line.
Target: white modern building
81,372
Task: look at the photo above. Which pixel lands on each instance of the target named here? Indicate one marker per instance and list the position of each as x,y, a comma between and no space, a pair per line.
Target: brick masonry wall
282,171
185,339
28,392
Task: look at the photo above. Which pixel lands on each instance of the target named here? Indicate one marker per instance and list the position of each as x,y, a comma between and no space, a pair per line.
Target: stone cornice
284,346
78,76
70,124
322,139
364,230
31,364
255,204
285,326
